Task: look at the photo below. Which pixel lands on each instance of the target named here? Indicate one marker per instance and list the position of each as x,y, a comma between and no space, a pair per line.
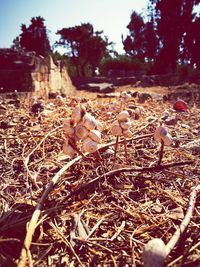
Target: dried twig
33,222
128,169
155,251
176,236
64,239
161,152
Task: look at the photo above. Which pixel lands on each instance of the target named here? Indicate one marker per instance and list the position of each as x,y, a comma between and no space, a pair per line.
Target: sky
111,16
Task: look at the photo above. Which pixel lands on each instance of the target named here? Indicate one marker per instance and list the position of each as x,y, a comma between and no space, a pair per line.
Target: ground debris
97,213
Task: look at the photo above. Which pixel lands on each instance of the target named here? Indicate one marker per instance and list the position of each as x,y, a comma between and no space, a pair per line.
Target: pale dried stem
115,150
182,227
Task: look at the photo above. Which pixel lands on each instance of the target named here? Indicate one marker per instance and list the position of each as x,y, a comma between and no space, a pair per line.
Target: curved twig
33,222
128,169
176,236
155,251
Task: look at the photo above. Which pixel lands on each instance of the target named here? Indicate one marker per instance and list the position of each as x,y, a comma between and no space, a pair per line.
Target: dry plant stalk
33,222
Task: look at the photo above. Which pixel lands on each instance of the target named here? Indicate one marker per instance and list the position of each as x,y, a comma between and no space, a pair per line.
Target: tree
178,32
134,43
121,65
150,41
34,37
85,46
191,38
142,42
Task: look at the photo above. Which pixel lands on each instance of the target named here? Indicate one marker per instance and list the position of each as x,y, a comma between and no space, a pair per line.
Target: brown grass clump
57,211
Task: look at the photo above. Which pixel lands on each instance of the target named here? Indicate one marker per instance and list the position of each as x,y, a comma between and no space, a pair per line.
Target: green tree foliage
134,43
170,36
191,40
34,37
85,47
142,42
121,65
178,30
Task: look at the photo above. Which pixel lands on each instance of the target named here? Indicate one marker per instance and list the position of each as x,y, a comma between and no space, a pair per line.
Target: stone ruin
26,72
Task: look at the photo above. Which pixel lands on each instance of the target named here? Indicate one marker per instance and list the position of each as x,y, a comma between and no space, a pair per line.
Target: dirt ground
99,211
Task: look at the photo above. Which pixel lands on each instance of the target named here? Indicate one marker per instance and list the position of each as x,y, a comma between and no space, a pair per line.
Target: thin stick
125,150
161,153
76,149
36,214
118,231
180,257
176,236
96,226
94,244
155,251
26,160
64,239
130,169
115,150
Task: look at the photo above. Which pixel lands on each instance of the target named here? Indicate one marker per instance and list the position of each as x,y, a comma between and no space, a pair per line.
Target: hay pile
94,213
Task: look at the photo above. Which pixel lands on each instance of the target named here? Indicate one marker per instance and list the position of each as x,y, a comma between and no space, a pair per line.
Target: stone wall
25,72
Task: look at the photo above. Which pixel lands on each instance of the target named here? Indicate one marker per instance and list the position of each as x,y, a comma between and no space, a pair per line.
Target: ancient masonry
26,72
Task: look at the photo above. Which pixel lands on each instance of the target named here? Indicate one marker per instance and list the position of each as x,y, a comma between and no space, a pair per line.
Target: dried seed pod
114,106
122,116
69,131
124,96
60,100
66,140
89,145
116,129
68,150
99,126
95,135
167,139
160,132
89,121
68,128
127,133
77,114
128,97
125,124
81,131
67,122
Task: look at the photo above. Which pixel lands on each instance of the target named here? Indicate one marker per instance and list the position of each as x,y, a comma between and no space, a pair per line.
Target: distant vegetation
165,41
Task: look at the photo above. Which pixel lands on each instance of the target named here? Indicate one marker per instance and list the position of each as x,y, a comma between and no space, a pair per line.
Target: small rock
171,120
134,94
194,146
37,107
154,253
176,214
142,97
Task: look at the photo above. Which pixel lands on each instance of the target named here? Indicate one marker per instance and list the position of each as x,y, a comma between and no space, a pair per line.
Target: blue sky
111,16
